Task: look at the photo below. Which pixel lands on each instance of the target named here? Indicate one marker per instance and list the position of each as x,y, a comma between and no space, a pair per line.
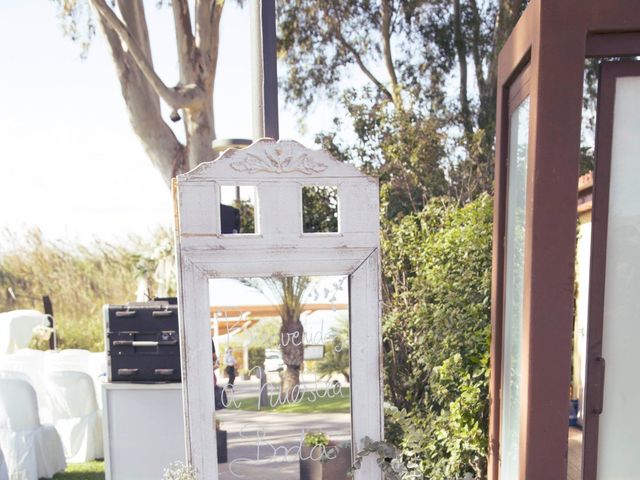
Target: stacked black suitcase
142,342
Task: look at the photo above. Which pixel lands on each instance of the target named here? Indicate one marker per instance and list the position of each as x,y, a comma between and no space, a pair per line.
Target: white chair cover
31,450
31,364
16,329
76,355
98,372
12,374
74,352
75,360
75,414
4,472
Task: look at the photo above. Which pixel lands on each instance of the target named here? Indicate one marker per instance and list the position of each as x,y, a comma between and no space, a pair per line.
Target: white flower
180,471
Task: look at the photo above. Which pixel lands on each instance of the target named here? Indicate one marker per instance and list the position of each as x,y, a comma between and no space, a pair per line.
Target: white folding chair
75,414
16,328
4,472
31,450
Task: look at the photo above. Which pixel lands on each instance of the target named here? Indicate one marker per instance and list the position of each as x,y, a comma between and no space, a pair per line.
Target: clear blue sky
69,161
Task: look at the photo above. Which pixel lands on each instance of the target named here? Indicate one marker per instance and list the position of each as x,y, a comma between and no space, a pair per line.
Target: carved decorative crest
278,160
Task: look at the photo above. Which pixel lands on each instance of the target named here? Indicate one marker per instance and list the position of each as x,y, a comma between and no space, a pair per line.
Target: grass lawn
82,471
339,402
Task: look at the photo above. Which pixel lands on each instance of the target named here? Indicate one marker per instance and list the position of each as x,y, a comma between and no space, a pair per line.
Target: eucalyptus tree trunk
190,101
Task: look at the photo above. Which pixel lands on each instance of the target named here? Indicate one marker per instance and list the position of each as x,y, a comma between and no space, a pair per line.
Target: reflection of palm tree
336,355
287,293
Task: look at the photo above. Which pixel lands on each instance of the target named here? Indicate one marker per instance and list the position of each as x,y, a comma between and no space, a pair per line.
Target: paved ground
265,445
575,454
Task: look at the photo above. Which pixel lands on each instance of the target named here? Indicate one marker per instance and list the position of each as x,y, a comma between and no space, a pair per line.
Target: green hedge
256,357
436,330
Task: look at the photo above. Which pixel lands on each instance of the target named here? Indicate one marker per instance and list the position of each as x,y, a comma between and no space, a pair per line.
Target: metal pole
264,69
48,311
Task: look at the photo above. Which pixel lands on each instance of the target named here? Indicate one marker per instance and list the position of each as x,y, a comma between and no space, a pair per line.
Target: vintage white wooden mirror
280,246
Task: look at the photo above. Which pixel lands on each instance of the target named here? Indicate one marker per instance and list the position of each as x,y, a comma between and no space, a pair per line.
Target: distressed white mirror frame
278,170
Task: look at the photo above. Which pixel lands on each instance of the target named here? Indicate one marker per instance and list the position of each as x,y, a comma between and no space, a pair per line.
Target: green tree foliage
413,149
265,334
405,149
79,279
589,105
336,353
256,357
247,215
319,209
427,65
436,334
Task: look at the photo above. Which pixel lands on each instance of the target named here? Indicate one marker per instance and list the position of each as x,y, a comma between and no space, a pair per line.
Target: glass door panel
619,423
514,291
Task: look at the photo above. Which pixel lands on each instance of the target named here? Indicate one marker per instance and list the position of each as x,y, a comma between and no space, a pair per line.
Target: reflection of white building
237,308
583,253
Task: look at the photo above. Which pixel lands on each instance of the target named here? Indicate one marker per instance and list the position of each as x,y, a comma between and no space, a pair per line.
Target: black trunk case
142,342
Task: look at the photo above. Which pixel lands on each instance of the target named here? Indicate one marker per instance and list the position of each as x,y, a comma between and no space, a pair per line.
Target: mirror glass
282,377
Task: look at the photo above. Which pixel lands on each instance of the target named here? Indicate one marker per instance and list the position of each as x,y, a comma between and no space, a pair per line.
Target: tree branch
167,154
199,120
184,39
203,12
475,49
208,14
177,97
386,40
356,56
133,15
461,52
334,21
214,36
508,14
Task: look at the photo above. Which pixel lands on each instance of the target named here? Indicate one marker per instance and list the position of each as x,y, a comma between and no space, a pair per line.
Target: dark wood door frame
553,37
594,391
